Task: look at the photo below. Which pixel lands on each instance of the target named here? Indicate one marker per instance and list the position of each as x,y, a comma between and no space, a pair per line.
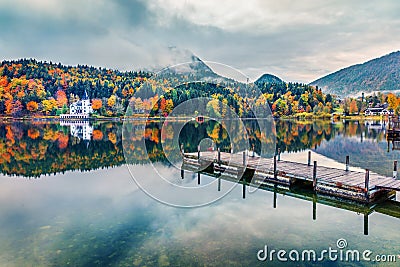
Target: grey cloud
300,42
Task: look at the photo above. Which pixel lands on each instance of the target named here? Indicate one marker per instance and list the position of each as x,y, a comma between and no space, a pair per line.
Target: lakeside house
80,109
379,110
77,119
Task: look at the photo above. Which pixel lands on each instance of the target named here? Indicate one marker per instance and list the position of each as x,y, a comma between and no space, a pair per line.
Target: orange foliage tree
61,98
32,106
353,107
97,104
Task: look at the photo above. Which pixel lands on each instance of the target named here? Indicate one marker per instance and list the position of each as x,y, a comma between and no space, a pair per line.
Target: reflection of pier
393,133
394,128
362,187
80,129
284,183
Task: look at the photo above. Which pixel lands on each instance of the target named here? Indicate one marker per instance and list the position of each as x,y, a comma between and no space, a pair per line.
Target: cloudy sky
295,40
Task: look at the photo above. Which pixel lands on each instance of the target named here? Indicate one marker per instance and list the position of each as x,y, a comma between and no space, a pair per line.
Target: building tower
86,105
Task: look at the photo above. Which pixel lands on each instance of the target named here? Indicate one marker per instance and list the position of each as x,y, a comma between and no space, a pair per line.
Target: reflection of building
375,125
80,109
80,129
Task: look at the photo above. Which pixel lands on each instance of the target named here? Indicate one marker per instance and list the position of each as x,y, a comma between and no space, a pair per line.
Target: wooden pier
364,187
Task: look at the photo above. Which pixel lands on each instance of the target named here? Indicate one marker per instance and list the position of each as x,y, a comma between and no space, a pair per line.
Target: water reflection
40,148
79,129
101,218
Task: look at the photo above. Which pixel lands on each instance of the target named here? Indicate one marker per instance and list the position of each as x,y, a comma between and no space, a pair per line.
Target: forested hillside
380,74
31,88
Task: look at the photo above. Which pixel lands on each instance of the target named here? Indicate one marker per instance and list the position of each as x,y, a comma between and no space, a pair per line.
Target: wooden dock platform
365,187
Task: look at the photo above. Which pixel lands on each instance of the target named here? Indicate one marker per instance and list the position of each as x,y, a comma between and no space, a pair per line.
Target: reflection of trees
297,136
32,149
38,148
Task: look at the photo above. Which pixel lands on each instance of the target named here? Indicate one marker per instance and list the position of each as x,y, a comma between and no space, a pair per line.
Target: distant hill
380,74
268,78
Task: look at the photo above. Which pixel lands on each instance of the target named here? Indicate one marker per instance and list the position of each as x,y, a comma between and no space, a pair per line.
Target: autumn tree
392,101
163,105
97,104
49,105
61,98
32,106
111,101
169,106
353,107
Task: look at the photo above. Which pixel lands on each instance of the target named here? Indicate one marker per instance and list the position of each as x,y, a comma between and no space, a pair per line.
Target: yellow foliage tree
111,101
49,105
392,101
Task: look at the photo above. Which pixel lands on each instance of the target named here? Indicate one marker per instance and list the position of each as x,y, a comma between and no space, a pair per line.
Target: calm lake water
68,199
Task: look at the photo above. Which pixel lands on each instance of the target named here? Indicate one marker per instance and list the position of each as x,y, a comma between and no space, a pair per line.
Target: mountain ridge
378,74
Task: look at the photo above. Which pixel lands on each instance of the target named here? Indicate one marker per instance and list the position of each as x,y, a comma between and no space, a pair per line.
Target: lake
68,198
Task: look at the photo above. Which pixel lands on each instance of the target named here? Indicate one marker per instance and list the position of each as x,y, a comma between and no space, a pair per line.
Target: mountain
182,64
380,74
183,61
268,78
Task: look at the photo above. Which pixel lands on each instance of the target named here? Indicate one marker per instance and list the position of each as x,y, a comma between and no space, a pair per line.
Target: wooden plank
349,178
382,181
331,175
395,184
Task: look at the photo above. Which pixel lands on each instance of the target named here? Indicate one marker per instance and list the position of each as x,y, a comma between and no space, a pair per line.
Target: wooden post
219,184
365,223
219,156
395,169
244,190
315,175
279,154
244,158
309,158
367,184
347,163
198,178
314,216
275,167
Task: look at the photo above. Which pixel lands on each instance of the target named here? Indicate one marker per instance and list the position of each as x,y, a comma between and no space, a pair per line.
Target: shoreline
310,117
